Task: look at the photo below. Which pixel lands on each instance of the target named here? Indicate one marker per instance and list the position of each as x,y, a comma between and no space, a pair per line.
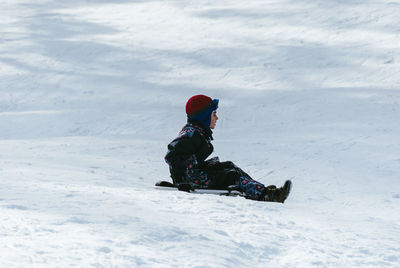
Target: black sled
232,190
272,193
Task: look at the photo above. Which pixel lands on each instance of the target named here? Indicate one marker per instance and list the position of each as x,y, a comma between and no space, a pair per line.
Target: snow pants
220,175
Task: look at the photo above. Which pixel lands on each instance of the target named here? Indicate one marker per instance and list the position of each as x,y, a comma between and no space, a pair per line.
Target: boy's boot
273,194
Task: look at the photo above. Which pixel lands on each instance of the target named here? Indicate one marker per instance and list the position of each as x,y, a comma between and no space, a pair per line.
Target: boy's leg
227,173
253,189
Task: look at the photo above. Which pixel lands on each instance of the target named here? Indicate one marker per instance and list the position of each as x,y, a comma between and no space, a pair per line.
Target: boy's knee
228,164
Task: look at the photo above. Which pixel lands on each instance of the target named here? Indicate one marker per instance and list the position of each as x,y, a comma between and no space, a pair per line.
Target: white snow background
91,93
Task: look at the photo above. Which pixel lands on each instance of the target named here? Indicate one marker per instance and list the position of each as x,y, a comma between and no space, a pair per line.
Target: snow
91,92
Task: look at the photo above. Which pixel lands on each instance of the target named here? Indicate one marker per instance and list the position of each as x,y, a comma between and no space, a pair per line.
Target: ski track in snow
92,92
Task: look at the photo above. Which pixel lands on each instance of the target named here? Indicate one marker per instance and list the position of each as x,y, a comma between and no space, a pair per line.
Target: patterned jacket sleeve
184,166
194,174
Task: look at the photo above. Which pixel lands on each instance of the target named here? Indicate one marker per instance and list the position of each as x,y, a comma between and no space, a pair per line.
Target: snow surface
91,92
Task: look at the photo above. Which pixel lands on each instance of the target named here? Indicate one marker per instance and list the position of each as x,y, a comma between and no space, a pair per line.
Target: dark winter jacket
187,154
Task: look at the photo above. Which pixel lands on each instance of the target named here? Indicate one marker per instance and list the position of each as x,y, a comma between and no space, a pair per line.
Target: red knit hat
197,103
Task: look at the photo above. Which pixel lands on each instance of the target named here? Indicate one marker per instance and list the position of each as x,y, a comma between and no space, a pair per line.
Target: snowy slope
92,91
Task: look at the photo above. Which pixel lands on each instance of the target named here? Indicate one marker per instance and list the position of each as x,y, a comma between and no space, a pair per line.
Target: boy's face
214,119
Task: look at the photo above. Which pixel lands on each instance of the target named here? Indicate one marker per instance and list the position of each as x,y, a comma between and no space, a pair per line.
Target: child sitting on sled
188,152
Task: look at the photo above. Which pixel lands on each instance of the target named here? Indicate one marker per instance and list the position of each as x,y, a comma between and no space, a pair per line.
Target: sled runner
232,190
